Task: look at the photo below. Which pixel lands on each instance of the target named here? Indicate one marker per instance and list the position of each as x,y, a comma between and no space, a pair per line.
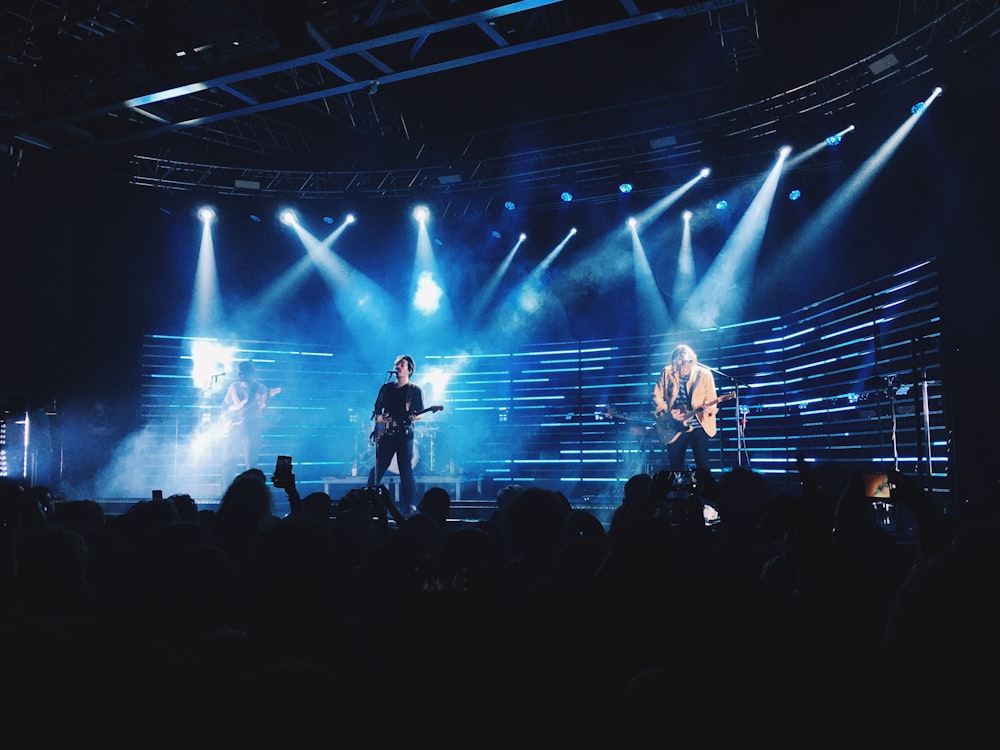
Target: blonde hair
683,351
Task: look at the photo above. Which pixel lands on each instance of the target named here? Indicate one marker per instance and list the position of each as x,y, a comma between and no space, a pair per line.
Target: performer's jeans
401,446
243,448
698,441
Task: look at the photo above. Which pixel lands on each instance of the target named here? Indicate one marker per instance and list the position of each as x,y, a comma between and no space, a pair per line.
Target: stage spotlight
421,214
495,234
917,107
632,222
566,197
625,187
349,219
572,231
287,217
510,205
833,140
523,237
705,172
784,151
328,220
687,215
721,205
795,195
206,214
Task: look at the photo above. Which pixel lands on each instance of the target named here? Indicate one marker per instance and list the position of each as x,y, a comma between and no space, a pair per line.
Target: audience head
436,503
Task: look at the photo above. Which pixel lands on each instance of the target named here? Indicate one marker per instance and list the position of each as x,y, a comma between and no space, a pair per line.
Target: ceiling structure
465,100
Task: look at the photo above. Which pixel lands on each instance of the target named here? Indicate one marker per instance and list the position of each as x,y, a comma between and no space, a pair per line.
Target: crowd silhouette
798,619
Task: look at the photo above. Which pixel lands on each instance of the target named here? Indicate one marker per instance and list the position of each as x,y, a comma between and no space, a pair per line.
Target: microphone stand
389,374
740,447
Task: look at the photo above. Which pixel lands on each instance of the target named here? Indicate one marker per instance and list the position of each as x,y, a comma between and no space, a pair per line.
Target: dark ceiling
459,98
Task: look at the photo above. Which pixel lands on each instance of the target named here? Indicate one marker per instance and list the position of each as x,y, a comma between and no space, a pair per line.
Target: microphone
390,372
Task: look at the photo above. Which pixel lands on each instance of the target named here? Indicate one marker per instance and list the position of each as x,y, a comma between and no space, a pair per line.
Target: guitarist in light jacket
684,402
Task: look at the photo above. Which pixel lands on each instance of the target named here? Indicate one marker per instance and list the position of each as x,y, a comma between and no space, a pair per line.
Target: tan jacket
701,390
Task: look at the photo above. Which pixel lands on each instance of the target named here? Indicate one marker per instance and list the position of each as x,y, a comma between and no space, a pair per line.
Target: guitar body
231,419
394,427
669,429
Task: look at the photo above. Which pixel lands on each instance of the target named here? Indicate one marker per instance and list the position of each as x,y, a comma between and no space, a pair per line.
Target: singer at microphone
685,404
397,406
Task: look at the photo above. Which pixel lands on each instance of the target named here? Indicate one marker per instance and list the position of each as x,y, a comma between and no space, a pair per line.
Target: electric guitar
235,417
669,429
395,426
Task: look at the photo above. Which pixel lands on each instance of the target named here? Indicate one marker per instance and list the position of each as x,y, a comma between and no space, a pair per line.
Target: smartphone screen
877,485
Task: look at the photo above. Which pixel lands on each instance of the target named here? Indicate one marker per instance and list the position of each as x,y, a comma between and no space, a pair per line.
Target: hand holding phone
282,471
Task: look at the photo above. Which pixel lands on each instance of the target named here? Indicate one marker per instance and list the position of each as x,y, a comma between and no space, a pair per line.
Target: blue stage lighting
917,107
496,234
833,140
566,197
795,195
328,220
510,205
721,205
625,187
255,218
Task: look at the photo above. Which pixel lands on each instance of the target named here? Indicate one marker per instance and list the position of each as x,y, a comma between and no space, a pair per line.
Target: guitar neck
697,409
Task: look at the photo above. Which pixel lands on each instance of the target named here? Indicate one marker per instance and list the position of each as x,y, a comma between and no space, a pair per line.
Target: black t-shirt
393,401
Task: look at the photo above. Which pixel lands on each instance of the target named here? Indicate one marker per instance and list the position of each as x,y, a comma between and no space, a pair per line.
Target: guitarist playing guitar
243,416
398,405
685,405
